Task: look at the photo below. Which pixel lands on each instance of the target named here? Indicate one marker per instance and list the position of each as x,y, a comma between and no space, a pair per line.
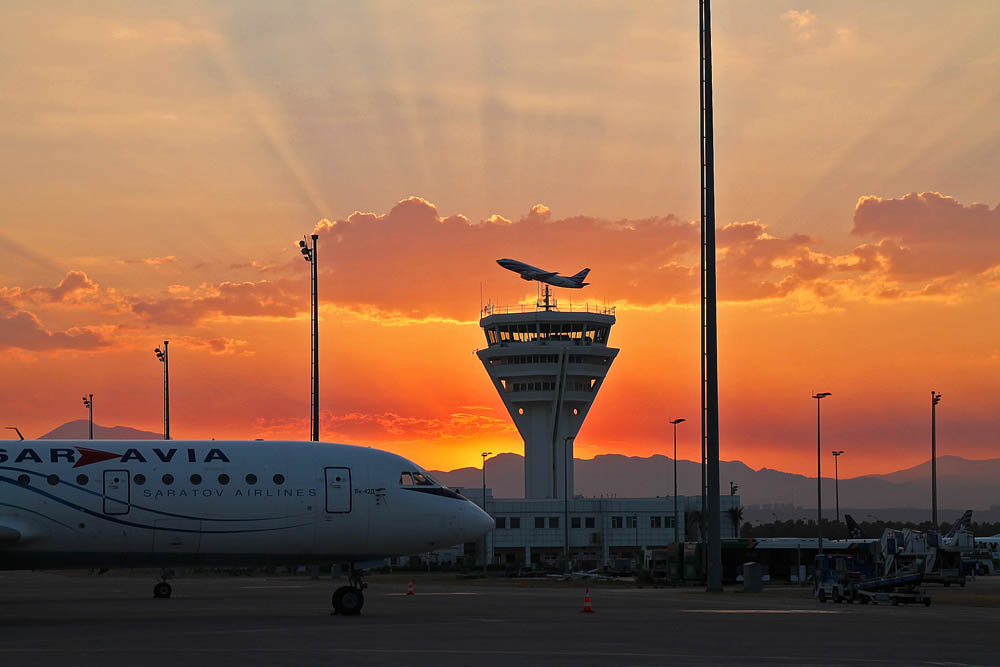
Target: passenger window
405,479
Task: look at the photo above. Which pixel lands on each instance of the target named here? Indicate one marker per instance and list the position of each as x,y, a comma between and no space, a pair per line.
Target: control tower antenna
545,302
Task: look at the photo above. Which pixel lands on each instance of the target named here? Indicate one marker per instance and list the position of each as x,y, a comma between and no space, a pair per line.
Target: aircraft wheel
162,590
348,601
927,602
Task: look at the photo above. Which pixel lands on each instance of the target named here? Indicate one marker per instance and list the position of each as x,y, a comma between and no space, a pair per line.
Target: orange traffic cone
409,589
587,608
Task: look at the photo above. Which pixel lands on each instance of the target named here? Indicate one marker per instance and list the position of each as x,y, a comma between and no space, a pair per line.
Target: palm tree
692,525
736,516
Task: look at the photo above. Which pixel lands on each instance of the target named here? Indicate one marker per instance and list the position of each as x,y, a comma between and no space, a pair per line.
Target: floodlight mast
310,256
709,338
89,404
162,356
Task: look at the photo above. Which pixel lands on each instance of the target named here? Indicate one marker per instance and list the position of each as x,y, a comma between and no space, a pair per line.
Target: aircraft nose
476,522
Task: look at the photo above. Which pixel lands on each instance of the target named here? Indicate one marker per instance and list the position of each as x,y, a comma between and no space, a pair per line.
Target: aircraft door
116,492
338,490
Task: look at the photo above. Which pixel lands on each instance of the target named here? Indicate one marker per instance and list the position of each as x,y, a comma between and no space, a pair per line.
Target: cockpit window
405,479
422,479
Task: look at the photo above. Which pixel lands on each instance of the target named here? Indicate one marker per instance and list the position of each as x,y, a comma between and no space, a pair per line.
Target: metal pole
819,488
710,366
676,542
90,410
566,442
819,477
315,346
836,474
934,515
484,455
166,391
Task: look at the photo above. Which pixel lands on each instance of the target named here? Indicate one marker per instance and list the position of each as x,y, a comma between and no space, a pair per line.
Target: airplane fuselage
158,503
529,272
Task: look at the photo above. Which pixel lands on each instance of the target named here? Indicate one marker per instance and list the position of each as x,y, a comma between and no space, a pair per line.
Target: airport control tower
547,363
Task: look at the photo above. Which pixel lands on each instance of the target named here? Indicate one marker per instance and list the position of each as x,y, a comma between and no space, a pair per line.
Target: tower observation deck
547,363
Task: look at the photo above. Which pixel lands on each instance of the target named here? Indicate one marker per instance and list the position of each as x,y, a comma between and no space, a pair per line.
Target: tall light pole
836,476
819,478
484,455
310,256
935,397
16,430
677,543
162,355
709,311
89,404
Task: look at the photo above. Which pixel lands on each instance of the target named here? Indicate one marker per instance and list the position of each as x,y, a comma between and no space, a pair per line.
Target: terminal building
548,364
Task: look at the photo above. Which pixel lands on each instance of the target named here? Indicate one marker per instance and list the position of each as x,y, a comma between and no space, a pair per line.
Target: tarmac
79,619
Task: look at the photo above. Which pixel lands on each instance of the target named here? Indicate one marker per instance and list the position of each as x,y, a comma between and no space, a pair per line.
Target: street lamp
935,397
310,256
675,422
819,478
89,404
484,455
836,474
16,430
163,356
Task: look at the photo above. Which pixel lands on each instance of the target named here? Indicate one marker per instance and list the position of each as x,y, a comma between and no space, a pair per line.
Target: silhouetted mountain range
961,482
77,430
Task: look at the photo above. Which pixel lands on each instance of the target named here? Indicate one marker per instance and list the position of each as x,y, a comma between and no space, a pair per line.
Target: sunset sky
161,161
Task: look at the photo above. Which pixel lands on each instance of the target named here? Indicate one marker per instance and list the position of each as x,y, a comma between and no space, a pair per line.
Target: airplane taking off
123,503
529,272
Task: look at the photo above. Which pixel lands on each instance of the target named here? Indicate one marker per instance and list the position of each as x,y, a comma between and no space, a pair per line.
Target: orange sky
161,163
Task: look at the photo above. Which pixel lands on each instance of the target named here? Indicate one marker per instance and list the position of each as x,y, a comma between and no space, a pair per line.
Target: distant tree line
838,531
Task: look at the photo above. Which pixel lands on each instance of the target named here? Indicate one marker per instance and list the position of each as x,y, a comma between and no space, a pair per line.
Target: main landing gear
348,600
162,590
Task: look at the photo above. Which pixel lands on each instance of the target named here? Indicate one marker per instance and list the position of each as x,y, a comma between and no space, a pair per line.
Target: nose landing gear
348,600
162,590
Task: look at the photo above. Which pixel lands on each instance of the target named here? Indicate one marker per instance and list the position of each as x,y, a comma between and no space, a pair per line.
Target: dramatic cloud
21,329
227,299
75,287
390,426
928,236
417,263
414,264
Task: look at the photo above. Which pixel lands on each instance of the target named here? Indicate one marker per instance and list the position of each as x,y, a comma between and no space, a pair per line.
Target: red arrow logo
88,456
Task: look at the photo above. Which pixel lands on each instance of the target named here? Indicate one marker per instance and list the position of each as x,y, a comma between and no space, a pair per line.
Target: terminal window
617,522
553,522
631,522
539,522
656,522
515,522
588,522
668,521
575,522
501,522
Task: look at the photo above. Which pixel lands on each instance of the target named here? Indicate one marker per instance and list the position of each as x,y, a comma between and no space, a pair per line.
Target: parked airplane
148,504
963,522
529,272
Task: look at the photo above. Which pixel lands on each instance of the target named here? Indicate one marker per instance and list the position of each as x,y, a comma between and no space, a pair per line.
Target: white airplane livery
182,503
529,272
